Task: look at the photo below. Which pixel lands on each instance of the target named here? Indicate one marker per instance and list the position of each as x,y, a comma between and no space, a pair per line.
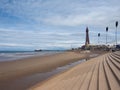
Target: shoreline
15,70
21,71
26,82
19,67
20,55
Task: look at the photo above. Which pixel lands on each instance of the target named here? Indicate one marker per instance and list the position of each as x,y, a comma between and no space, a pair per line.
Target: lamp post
98,38
116,24
106,34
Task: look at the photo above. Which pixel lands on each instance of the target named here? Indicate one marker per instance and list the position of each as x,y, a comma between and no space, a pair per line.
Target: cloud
38,39
14,45
93,18
56,23
69,13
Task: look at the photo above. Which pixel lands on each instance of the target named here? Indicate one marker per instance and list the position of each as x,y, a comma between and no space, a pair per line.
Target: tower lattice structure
87,42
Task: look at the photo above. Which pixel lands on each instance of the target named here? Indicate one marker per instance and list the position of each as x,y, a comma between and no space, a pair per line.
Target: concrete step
66,84
116,57
79,83
113,84
103,83
95,78
114,69
117,52
87,80
112,59
71,83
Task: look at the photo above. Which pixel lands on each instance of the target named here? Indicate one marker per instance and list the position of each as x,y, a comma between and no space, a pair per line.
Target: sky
56,24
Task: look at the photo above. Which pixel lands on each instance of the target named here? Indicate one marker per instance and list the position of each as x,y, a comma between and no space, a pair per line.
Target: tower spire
87,37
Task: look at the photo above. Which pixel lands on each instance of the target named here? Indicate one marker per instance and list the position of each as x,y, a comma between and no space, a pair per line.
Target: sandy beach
59,45
100,73
12,70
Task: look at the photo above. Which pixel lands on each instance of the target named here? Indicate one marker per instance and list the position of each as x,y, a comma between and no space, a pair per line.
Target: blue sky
56,24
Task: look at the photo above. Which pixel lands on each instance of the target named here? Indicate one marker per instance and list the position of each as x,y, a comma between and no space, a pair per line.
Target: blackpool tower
87,42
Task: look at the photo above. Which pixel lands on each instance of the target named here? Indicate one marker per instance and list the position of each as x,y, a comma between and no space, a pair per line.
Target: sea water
17,55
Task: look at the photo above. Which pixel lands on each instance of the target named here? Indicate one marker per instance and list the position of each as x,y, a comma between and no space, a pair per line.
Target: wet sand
24,69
